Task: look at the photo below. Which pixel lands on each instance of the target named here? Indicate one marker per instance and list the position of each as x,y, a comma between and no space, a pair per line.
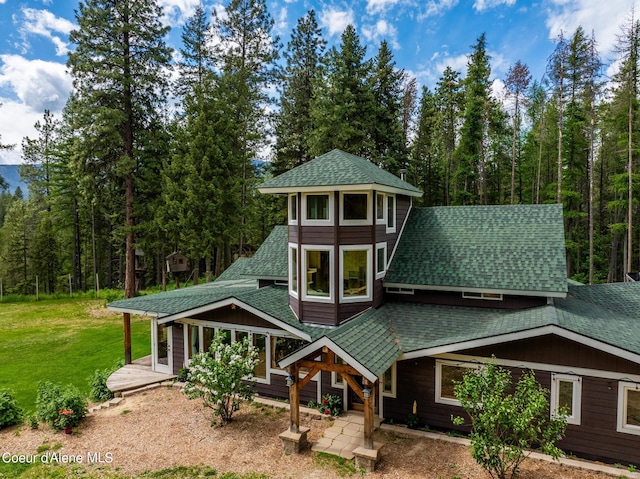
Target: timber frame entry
327,362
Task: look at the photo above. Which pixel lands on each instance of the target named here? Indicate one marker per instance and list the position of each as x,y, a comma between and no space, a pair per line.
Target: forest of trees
152,155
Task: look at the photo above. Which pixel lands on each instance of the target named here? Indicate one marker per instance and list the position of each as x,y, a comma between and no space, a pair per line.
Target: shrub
60,406
98,382
330,404
223,376
505,425
10,413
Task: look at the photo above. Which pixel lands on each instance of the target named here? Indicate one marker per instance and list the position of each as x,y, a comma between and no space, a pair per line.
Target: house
364,296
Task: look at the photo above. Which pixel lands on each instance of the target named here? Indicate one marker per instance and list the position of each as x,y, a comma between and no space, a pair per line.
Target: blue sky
425,36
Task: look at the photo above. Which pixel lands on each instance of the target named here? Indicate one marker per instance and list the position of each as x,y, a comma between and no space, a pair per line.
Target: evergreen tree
425,169
119,74
195,65
299,81
38,156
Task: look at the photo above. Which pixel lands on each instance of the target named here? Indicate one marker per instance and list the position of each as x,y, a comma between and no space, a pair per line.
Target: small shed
177,263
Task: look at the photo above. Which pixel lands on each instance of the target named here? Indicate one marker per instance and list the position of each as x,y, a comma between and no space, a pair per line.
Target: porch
135,375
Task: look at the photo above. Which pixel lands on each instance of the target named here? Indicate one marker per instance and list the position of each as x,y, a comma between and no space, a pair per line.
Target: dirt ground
162,428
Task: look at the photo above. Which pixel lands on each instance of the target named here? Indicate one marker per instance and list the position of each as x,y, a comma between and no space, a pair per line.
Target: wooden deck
135,375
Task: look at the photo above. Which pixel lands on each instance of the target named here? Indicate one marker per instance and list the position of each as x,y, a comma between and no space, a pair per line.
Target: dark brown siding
378,293
552,349
350,235
293,302
177,347
456,299
293,233
595,437
278,389
236,316
317,235
318,313
326,385
348,310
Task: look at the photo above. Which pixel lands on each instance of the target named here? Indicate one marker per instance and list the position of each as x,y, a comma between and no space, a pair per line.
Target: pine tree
195,66
425,169
38,156
119,74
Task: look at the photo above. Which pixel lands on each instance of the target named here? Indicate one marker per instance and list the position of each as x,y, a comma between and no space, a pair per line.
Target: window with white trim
381,260
388,382
448,373
293,209
381,212
566,393
629,408
318,267
391,214
483,295
293,270
317,209
337,381
355,273
355,208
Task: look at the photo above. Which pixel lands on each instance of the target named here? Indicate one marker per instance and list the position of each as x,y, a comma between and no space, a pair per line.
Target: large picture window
355,273
317,265
355,209
629,408
566,394
448,373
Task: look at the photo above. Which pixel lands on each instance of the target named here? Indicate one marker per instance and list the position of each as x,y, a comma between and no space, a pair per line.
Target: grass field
61,340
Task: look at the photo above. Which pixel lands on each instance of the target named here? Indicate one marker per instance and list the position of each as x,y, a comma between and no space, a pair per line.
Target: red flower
66,412
324,401
326,411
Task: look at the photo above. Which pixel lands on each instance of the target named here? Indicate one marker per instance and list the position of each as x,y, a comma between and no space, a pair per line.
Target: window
317,209
354,209
282,347
355,268
388,382
207,337
381,260
448,373
337,381
293,271
629,408
317,265
391,214
259,342
193,347
566,393
293,209
380,211
475,295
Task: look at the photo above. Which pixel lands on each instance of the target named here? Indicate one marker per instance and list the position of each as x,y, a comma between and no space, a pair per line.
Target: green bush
330,404
54,402
10,413
98,382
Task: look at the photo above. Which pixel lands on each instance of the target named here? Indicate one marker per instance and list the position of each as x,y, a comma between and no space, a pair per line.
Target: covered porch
135,375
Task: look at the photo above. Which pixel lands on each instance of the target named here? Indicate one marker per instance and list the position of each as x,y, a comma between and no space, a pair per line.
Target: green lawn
63,340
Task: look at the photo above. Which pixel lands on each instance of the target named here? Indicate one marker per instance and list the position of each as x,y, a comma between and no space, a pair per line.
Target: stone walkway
344,436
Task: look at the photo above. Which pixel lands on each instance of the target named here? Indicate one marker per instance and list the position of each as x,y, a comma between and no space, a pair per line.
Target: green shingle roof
336,168
270,261
506,248
234,271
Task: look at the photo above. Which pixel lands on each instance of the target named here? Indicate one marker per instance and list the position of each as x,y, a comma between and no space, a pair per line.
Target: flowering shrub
330,404
505,425
60,406
223,376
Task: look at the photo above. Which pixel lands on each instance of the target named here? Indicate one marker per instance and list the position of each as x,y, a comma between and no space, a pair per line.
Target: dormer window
355,209
317,209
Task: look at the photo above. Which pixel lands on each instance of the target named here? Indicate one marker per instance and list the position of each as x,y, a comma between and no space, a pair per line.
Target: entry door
355,402
162,361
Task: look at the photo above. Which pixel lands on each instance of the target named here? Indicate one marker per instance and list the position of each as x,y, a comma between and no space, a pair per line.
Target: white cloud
481,5
380,31
45,24
436,7
177,12
335,20
377,6
603,17
281,25
16,122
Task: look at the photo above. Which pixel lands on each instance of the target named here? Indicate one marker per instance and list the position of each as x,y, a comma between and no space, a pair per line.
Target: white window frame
365,222
576,396
334,381
383,220
485,295
381,246
623,388
394,376
369,295
439,363
391,229
292,247
290,208
303,282
304,221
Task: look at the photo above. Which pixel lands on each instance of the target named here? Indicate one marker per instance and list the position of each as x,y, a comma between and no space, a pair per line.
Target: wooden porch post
294,400
127,337
368,415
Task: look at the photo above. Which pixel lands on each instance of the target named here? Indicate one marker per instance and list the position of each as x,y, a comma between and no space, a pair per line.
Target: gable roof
337,170
270,260
517,249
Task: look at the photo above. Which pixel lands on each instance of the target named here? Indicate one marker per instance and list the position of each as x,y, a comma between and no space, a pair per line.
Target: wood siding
318,313
596,436
177,347
453,298
349,310
238,316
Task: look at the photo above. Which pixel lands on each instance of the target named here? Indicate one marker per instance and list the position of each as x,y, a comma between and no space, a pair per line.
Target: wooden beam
324,366
294,400
303,382
126,317
368,415
353,385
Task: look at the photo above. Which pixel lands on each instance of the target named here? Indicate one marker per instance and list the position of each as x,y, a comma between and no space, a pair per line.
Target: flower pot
68,430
